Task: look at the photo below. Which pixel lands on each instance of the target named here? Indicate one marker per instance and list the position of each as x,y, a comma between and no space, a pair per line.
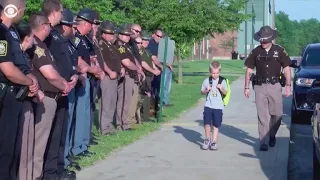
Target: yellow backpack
226,97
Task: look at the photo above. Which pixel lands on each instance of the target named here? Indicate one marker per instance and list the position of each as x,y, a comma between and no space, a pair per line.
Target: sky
299,9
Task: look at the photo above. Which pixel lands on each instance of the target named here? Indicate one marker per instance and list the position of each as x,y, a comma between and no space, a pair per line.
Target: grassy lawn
183,97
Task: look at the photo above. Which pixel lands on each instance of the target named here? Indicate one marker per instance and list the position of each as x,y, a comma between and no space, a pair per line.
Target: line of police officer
52,70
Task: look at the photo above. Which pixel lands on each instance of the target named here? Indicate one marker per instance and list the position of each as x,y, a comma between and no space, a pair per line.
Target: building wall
262,17
216,48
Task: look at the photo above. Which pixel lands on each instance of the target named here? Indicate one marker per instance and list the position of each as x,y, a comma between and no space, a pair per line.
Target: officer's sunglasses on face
158,36
138,42
137,31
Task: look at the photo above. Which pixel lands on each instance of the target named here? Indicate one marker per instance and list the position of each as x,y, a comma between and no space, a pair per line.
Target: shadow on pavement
266,159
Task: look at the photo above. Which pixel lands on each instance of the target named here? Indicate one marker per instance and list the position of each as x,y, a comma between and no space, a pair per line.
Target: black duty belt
259,81
53,95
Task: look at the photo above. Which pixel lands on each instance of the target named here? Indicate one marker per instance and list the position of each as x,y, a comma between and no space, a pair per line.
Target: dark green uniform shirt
146,57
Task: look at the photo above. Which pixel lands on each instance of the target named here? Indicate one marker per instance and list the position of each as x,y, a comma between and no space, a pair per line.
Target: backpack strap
219,82
210,83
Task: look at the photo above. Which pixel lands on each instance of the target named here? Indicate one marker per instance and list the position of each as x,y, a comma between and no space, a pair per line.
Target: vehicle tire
316,164
294,114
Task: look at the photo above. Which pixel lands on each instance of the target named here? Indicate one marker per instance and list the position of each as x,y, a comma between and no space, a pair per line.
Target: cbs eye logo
10,11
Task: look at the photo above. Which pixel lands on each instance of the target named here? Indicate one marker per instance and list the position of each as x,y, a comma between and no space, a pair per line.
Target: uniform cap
68,17
125,30
87,14
107,27
265,34
144,35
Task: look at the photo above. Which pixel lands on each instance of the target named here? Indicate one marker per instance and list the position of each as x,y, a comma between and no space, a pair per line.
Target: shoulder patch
3,47
76,41
39,52
121,49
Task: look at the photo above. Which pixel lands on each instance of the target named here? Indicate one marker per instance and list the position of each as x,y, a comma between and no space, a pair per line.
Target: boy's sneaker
213,146
206,144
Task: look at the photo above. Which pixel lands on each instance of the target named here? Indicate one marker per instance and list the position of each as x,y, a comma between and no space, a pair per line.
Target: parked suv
313,96
306,76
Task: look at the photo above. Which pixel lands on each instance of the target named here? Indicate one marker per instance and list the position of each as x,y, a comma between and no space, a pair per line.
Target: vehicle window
311,57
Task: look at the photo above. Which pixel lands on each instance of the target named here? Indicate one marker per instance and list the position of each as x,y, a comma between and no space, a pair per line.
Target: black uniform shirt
19,59
94,50
110,55
83,48
73,49
268,64
59,48
41,56
134,49
5,49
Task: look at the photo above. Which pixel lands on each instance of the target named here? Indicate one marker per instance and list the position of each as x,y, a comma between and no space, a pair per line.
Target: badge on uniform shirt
55,37
121,49
140,52
275,54
39,52
3,47
14,35
76,41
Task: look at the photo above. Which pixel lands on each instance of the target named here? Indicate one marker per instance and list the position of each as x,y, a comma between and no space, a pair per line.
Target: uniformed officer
96,60
135,29
53,86
82,130
26,134
66,27
128,62
149,71
11,80
58,46
268,58
109,86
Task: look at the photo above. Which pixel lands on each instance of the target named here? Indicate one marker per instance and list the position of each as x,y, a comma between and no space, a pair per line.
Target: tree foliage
295,35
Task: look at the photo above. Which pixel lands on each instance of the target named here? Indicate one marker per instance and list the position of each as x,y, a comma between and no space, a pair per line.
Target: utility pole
252,25
246,31
274,14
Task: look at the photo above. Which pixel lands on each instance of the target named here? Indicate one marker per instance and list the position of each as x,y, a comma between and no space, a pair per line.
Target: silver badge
14,35
275,54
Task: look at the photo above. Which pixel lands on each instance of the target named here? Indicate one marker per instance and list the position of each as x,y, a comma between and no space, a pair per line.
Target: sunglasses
158,36
136,31
138,42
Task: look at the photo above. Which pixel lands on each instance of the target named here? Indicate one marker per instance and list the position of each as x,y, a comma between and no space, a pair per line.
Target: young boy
213,108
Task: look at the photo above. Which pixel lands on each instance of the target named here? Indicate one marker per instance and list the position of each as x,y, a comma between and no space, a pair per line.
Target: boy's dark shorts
212,115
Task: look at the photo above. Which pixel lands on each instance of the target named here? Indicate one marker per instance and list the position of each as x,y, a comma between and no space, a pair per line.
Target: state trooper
12,80
109,86
268,58
66,26
82,129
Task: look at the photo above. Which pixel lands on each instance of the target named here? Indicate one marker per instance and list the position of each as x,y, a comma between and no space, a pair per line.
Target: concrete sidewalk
174,152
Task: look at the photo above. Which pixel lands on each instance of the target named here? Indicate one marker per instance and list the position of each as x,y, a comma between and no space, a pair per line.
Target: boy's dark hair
51,5
24,30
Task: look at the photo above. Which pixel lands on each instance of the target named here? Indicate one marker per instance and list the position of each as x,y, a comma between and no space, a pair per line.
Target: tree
186,21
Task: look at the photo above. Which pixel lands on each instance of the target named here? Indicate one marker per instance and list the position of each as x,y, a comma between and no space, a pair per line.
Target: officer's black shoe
74,165
263,147
272,141
86,154
67,175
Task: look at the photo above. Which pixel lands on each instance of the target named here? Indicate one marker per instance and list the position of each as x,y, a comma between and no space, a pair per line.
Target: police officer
109,86
82,130
149,71
11,79
66,27
96,59
54,87
268,58
131,77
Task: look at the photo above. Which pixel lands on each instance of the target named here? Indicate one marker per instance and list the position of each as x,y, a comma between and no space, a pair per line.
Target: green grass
183,97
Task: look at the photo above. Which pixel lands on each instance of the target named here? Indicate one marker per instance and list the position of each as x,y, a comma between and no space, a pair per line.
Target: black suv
306,76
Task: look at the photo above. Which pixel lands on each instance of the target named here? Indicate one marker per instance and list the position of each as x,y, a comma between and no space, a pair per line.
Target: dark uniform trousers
109,95
125,92
95,85
55,148
147,101
269,108
9,126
